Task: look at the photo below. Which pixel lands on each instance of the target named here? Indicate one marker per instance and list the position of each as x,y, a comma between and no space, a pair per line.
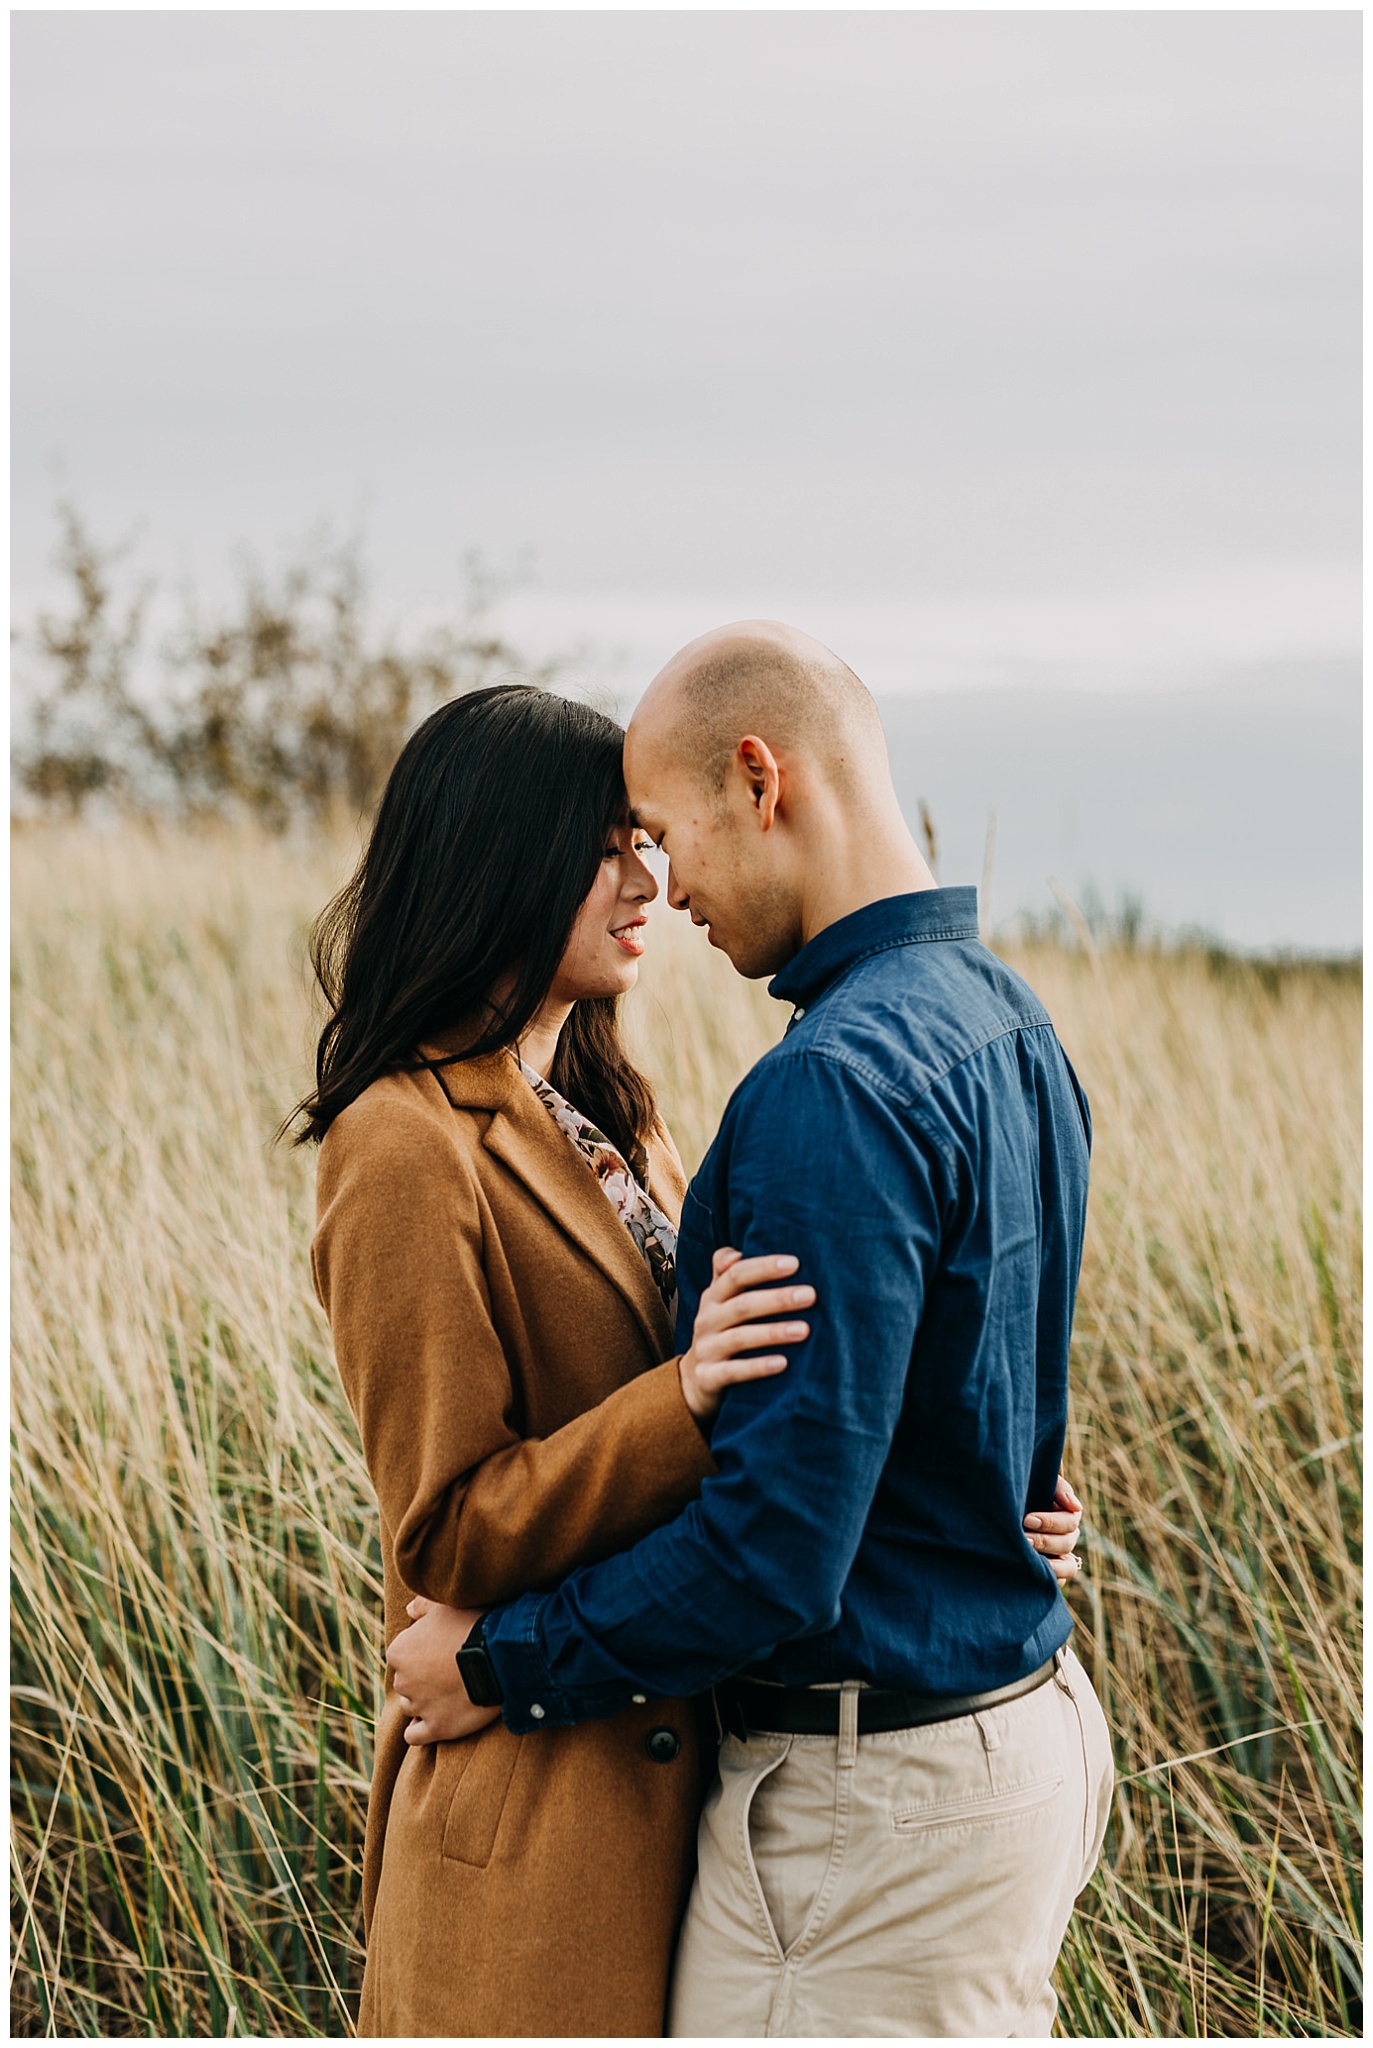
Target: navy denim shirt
920,1141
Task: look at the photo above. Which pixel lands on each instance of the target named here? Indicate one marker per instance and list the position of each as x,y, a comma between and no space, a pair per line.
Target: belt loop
848,1724
1061,1678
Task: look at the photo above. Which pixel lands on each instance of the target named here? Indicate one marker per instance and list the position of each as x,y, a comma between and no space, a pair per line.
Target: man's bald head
757,761
763,678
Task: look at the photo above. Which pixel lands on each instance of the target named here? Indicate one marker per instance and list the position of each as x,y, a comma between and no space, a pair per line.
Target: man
905,1731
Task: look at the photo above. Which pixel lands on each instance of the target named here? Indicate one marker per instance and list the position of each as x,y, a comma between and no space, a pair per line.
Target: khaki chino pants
915,1883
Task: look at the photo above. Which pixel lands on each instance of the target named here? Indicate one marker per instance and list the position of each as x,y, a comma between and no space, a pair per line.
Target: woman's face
602,956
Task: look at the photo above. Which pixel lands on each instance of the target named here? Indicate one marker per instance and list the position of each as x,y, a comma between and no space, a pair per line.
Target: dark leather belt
752,1706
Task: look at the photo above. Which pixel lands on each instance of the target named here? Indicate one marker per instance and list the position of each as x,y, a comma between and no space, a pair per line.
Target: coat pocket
978,1806
474,1811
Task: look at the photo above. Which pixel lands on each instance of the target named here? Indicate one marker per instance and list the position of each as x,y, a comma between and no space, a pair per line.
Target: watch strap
477,1670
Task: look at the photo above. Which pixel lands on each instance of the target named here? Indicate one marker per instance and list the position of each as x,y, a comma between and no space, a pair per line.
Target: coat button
663,1745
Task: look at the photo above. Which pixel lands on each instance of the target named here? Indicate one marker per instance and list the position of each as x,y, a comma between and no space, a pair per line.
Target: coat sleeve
477,1513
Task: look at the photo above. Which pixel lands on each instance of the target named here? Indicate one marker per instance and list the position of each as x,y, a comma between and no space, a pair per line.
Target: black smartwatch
478,1672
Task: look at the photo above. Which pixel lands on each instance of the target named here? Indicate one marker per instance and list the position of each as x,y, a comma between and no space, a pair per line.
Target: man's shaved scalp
776,683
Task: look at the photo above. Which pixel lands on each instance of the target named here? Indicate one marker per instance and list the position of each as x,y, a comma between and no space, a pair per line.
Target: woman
495,1255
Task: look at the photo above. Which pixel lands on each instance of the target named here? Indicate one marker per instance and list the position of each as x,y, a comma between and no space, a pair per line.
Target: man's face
722,868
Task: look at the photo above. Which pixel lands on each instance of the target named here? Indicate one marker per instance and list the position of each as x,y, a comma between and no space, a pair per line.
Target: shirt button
640,1699
536,1713
663,1745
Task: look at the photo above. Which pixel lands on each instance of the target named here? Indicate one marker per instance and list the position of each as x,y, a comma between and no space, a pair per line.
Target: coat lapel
524,1137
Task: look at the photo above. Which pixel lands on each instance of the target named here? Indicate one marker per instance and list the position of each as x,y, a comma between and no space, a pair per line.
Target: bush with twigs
287,706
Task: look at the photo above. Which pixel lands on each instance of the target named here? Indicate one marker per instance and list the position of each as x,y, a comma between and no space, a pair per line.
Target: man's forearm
743,1569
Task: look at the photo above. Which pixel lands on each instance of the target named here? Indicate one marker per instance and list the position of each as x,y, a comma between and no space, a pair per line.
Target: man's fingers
418,1606
1054,1546
723,1259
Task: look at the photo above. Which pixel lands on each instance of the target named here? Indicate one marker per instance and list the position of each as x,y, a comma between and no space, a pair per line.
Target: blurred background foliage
285,705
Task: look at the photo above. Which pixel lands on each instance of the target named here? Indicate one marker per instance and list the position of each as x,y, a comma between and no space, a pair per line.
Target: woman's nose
641,883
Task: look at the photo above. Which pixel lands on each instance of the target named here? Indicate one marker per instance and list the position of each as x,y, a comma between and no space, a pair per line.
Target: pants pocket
729,1819
977,1806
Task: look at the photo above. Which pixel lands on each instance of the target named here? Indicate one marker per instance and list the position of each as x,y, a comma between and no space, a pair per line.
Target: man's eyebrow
636,818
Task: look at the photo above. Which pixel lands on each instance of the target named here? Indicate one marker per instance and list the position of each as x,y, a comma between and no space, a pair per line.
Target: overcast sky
999,349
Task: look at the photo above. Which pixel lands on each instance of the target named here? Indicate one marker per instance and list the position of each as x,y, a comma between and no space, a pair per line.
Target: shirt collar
894,921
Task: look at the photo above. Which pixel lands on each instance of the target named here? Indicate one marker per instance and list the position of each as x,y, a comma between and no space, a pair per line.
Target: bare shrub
288,706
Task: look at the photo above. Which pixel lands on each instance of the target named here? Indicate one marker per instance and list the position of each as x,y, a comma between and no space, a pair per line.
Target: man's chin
749,960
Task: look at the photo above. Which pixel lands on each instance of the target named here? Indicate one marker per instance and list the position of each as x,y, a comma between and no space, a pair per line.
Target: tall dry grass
196,1606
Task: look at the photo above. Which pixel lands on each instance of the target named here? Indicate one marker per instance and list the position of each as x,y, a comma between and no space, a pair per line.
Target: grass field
196,1636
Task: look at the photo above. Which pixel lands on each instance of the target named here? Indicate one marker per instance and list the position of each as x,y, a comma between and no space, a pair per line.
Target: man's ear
762,777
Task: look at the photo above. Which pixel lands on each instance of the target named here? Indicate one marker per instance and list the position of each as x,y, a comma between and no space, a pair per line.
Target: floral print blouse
654,1233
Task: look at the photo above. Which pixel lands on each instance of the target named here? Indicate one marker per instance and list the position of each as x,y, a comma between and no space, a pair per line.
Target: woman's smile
630,936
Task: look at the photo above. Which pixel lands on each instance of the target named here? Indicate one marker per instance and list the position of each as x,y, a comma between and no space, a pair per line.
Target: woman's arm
477,1514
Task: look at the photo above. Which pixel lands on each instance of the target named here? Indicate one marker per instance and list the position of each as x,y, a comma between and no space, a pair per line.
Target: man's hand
425,1678
1053,1533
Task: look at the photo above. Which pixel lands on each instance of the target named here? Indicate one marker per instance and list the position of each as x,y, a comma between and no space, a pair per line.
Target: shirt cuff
529,1698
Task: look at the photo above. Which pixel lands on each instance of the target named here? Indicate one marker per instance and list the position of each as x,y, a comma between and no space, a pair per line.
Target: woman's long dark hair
487,841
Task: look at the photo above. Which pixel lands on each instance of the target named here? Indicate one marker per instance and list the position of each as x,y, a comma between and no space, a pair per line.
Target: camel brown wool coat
499,1337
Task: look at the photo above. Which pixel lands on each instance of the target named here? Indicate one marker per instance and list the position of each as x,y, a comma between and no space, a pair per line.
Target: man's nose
676,894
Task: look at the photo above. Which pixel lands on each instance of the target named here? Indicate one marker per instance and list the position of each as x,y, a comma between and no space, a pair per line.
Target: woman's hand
427,1680
725,1331
1053,1533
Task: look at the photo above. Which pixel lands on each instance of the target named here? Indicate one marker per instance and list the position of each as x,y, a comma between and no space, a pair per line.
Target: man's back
918,1138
